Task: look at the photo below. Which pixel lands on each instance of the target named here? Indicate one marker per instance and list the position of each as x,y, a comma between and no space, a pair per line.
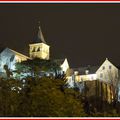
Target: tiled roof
59,61
82,70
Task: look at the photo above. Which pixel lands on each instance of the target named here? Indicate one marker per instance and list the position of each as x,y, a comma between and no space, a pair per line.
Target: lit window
87,71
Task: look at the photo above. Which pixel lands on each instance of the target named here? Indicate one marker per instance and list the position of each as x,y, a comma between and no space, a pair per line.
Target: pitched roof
59,61
19,54
2,48
81,70
104,64
39,38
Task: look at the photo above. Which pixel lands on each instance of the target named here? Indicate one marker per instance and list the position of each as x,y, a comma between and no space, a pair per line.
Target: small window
33,50
103,67
12,58
110,66
86,72
101,75
92,77
38,49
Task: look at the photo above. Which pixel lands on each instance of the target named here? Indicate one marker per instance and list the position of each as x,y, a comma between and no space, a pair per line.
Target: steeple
40,35
39,38
38,48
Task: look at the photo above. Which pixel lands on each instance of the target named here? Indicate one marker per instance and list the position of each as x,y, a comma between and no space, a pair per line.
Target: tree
9,97
8,72
36,66
39,97
49,98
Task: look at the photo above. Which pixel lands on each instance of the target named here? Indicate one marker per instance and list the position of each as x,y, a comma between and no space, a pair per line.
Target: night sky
84,33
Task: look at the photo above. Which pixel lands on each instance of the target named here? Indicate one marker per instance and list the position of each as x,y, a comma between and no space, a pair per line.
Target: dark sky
84,33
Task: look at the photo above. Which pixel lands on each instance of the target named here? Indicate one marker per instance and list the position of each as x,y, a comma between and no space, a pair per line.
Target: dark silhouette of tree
39,97
8,72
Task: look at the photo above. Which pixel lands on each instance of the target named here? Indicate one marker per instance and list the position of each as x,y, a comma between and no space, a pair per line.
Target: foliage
46,97
39,97
8,72
96,107
9,97
35,66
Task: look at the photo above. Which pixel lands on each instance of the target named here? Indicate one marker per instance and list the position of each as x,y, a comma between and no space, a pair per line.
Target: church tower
39,48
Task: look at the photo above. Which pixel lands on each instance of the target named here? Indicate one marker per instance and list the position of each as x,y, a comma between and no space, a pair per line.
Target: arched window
103,67
33,50
38,49
110,66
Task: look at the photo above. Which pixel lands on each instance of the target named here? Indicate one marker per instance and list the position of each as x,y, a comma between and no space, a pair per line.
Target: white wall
107,72
9,57
89,77
65,65
42,53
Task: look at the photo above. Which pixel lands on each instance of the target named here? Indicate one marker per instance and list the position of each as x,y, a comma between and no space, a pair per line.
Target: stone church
38,49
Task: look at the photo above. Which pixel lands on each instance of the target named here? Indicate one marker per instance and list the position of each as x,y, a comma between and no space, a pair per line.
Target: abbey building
37,49
104,78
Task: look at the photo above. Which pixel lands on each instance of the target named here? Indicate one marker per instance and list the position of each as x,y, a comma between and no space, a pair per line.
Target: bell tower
39,48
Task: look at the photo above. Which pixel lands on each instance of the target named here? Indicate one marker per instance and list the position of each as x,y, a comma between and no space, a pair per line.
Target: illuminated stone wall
89,77
10,57
39,50
98,89
7,57
108,73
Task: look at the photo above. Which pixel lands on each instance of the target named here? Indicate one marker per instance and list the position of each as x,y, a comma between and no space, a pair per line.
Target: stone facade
10,57
39,50
98,89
